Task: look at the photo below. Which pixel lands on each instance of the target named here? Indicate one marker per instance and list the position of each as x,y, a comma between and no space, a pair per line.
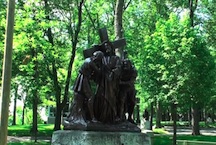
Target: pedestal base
76,137
118,127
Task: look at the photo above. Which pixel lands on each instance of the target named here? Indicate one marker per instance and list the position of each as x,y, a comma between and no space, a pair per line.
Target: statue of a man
82,108
107,92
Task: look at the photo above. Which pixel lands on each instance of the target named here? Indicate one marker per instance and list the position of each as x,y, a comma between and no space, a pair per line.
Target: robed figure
106,95
82,110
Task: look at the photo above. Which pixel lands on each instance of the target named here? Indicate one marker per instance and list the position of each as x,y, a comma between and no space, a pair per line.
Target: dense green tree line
172,45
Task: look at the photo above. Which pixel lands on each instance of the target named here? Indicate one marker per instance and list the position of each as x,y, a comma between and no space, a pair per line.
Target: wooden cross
103,37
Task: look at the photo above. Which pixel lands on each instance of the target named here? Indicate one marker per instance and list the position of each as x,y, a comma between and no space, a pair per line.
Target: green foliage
210,21
168,59
139,22
162,59
28,116
29,46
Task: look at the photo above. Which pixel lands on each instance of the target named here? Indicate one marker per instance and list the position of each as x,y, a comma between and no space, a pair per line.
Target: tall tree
6,78
202,64
74,11
192,5
35,94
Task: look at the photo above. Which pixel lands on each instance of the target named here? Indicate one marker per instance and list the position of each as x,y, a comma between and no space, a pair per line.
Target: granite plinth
77,137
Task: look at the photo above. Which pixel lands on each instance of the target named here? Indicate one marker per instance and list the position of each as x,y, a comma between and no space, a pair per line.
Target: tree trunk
58,118
152,113
57,125
138,111
158,114
195,120
174,117
213,115
204,116
35,95
169,118
194,110
192,7
23,113
53,75
15,104
6,75
35,127
118,25
189,115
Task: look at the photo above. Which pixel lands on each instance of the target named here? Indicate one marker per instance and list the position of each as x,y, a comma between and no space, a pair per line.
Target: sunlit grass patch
25,130
160,131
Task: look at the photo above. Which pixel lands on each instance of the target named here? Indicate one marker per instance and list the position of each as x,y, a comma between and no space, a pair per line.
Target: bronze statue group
104,90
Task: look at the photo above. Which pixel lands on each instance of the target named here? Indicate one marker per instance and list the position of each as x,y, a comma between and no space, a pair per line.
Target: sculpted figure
127,92
82,107
106,106
104,90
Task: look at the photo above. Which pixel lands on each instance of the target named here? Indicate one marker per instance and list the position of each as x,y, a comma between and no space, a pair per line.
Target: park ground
20,135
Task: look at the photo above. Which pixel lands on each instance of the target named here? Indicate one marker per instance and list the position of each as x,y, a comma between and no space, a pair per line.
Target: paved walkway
187,130
27,138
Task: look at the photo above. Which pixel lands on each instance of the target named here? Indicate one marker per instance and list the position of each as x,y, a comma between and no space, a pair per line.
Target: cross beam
103,37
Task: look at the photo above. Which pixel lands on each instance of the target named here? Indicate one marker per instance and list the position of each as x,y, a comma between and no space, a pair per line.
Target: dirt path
27,138
187,131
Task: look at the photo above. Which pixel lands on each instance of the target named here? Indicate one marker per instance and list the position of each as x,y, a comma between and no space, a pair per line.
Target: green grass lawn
160,131
46,130
162,140
24,130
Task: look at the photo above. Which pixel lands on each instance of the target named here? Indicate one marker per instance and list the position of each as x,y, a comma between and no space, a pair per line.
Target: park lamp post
6,73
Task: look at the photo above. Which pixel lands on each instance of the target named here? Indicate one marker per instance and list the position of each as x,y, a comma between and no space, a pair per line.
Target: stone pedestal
76,137
147,124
